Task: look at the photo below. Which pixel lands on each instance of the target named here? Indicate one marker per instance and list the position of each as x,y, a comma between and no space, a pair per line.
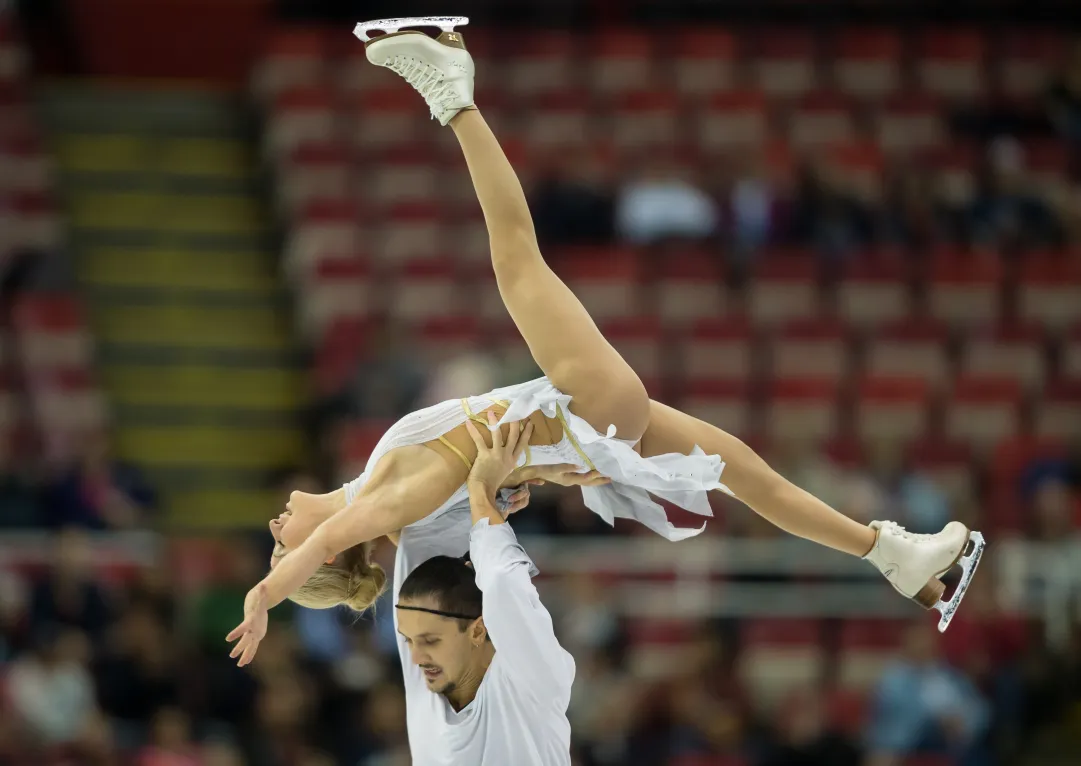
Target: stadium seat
1026,62
620,61
785,65
412,179
299,116
860,167
802,409
324,228
446,337
947,462
544,62
341,288
341,345
950,64
1050,288
313,172
645,119
867,63
910,349
909,123
639,342
606,282
873,291
704,63
689,288
780,656
560,119
384,118
984,411
817,348
821,120
37,221
24,166
1059,415
965,289
892,408
358,441
52,334
408,232
724,403
718,349
732,120
1070,358
784,288
865,648
294,57
1007,351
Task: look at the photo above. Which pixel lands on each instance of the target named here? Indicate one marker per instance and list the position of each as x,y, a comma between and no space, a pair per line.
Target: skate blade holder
969,562
364,29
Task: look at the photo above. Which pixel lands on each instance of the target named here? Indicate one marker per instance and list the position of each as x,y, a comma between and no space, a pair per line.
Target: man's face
439,647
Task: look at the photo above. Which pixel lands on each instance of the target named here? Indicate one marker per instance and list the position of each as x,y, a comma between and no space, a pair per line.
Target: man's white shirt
519,715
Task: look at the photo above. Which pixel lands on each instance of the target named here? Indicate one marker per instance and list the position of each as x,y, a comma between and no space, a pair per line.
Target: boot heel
930,594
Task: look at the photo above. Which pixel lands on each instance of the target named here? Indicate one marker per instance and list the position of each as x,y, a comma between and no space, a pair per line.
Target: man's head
439,614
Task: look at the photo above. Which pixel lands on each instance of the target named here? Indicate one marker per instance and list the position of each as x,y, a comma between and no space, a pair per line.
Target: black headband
439,612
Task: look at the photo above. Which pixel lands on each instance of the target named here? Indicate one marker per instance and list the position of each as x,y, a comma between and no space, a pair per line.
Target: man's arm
520,627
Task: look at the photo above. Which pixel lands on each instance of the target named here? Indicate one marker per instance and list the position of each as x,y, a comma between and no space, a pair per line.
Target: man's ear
478,633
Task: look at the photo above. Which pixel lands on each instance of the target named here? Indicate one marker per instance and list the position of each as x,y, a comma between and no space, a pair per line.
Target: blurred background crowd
232,253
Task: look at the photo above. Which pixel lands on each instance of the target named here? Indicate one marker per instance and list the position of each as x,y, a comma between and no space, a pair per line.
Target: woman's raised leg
564,340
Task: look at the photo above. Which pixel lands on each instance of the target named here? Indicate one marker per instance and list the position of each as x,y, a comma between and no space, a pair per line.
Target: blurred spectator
69,595
50,690
751,203
376,734
1053,512
662,203
388,381
587,618
18,495
823,217
100,492
1004,211
907,216
922,705
905,495
170,742
805,740
1064,97
137,674
606,704
572,203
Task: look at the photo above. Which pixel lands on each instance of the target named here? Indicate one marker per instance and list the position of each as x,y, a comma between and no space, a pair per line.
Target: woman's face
303,513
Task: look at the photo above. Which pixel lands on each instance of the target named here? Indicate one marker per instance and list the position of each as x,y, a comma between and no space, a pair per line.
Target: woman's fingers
497,434
475,435
238,631
523,441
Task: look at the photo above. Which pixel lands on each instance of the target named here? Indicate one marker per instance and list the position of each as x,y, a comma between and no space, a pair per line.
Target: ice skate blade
968,566
390,26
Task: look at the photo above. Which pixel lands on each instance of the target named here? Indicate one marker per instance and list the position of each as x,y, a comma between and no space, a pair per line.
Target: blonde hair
351,580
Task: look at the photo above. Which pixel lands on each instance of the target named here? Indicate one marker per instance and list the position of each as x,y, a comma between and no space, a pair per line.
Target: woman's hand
253,629
564,474
494,464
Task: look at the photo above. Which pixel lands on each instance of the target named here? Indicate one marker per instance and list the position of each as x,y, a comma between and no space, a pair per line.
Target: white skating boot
440,69
914,563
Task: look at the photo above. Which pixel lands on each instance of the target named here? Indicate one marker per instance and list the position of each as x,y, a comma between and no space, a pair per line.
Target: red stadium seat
639,342
1050,289
780,656
358,442
786,63
605,281
544,62
1027,61
873,291
408,232
1007,351
559,120
731,120
948,463
810,349
324,228
37,221
1060,410
965,288
1013,456
910,123
784,289
859,166
1048,164
386,117
621,61
955,166
313,172
24,166
52,333
341,345
867,63
950,64
821,120
342,287
423,290
910,349
705,62
690,287
718,349
443,338
892,408
1070,358
402,180
802,409
865,648
724,403
299,116
645,119
984,411
293,57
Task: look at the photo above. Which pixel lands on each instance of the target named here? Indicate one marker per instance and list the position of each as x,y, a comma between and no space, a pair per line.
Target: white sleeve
518,624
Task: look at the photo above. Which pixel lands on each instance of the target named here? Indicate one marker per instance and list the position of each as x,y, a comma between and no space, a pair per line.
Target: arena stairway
174,250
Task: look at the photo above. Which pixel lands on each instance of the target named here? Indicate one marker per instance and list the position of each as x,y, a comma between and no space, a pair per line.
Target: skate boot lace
428,80
897,529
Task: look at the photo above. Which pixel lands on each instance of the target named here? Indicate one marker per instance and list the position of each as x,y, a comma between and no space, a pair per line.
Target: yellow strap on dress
484,422
574,442
458,452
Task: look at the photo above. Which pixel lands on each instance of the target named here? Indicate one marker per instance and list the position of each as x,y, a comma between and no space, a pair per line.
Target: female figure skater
589,413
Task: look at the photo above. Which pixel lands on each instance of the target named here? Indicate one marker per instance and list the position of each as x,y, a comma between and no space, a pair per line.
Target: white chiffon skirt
680,479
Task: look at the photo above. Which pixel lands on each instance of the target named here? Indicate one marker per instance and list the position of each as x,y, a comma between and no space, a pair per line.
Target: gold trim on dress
574,442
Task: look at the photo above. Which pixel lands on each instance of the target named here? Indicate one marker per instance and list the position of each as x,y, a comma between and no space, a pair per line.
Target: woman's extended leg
562,337
770,495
